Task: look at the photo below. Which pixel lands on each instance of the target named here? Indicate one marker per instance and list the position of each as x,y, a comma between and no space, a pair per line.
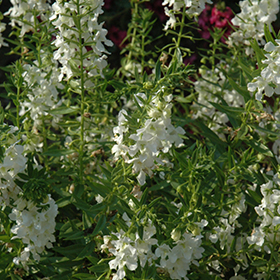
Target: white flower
92,34
35,228
154,137
250,21
129,251
23,13
14,162
193,8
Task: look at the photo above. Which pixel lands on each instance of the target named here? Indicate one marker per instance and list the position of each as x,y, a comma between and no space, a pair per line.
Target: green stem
82,108
134,14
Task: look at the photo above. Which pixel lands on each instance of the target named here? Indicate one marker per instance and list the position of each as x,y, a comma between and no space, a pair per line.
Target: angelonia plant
139,140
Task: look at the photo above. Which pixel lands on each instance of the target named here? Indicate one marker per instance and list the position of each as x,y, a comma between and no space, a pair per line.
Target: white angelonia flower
22,13
35,228
43,90
209,87
269,80
177,260
268,215
127,251
250,21
151,141
92,35
193,8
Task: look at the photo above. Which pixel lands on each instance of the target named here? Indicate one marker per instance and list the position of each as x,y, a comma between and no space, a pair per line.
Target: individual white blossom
91,35
34,226
193,8
250,22
24,13
269,80
151,141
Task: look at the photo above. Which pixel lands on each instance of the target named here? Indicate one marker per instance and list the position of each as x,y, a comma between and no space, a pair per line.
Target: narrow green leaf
241,90
100,225
268,35
58,152
64,110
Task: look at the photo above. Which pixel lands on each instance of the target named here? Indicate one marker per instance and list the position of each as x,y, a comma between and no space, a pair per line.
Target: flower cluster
41,80
34,223
250,21
193,8
34,226
128,251
269,79
211,88
13,163
176,261
27,13
146,148
79,40
264,236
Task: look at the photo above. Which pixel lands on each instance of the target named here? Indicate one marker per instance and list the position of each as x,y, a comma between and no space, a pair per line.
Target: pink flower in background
117,36
212,18
221,19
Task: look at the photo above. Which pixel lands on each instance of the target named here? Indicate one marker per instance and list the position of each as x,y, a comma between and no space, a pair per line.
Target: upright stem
82,108
134,14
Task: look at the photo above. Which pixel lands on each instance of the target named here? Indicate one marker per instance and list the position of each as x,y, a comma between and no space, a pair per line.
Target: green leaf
58,152
259,263
259,52
259,147
267,131
158,71
247,70
87,250
84,276
116,84
100,225
267,34
64,110
213,137
241,90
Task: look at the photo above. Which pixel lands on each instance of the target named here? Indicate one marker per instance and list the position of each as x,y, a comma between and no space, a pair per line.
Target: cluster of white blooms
269,80
24,13
176,261
210,87
225,232
193,8
34,226
83,31
269,216
13,163
42,87
129,251
147,147
250,21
